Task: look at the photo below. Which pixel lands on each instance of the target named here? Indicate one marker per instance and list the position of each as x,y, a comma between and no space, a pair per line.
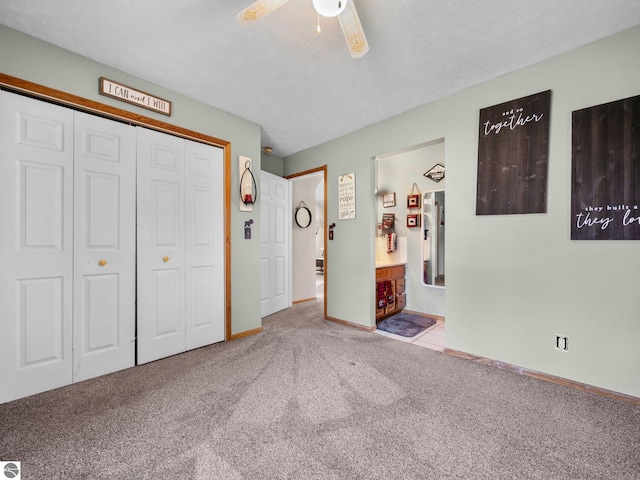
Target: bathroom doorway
402,174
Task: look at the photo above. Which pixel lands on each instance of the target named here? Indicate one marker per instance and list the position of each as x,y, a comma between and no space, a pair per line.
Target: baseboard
304,300
246,333
545,376
351,324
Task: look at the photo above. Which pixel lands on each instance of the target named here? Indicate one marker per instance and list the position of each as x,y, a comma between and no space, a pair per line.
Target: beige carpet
310,399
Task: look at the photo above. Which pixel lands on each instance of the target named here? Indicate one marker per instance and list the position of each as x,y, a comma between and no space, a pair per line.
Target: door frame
41,92
324,170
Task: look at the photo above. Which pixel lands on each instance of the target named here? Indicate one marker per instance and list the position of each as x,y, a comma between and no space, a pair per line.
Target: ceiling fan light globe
329,8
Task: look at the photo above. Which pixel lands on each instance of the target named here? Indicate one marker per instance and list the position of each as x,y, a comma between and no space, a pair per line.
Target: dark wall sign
605,171
513,150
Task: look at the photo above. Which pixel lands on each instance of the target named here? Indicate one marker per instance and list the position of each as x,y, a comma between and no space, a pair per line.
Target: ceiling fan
345,10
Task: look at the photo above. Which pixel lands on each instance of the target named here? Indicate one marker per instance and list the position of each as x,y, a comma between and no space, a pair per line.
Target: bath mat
406,324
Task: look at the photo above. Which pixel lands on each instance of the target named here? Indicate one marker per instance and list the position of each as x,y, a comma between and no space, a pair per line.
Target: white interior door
161,241
104,246
204,245
275,243
36,246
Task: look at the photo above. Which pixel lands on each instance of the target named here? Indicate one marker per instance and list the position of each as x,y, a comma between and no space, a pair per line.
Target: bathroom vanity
390,290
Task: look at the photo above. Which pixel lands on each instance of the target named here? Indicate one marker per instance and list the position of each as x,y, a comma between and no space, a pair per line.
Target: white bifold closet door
36,246
104,246
180,245
63,317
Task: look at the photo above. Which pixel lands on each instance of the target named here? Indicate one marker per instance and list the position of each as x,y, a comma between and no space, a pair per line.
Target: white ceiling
302,87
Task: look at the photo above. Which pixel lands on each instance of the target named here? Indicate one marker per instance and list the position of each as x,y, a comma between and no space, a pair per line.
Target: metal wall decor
435,173
248,187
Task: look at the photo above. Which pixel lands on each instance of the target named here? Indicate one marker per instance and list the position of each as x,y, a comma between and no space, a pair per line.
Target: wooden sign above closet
112,89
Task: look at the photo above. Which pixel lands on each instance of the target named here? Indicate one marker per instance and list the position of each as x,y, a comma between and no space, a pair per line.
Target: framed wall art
414,199
513,151
605,171
413,220
389,200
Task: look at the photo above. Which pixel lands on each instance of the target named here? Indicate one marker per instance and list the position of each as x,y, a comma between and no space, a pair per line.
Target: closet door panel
36,246
104,270
41,200
204,245
42,321
167,219
161,245
168,305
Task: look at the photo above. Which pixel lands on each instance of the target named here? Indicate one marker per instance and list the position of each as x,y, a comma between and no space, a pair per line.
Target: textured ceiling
302,87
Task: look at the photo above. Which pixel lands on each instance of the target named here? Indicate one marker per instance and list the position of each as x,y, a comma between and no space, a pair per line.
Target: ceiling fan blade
352,30
258,9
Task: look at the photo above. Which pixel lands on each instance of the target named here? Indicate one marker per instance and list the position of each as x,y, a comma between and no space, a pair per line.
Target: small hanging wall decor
388,221
413,199
347,196
413,221
389,200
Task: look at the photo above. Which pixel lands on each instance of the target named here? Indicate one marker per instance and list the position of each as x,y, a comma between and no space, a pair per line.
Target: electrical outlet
562,342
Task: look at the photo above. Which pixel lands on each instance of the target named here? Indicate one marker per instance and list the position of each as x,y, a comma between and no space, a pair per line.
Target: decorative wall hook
331,227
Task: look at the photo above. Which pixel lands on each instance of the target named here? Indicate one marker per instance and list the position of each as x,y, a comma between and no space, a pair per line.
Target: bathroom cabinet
390,281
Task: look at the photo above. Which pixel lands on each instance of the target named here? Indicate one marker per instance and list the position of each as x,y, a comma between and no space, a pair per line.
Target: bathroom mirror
433,223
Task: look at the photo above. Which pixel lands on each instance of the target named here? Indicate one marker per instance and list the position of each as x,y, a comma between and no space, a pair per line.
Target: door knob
165,259
102,263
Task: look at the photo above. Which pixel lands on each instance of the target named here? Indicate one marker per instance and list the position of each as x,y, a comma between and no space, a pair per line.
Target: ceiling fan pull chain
318,27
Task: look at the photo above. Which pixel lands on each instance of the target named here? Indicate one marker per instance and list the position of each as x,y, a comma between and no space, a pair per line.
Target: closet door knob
102,263
165,259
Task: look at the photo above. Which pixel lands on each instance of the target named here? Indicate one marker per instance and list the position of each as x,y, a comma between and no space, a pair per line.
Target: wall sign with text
112,89
347,196
513,151
605,171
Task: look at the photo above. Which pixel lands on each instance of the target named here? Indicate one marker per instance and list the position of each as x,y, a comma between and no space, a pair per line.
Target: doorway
310,256
419,226
402,174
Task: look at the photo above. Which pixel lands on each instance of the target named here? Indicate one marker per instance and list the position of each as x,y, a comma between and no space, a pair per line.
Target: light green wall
513,281
273,164
27,58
